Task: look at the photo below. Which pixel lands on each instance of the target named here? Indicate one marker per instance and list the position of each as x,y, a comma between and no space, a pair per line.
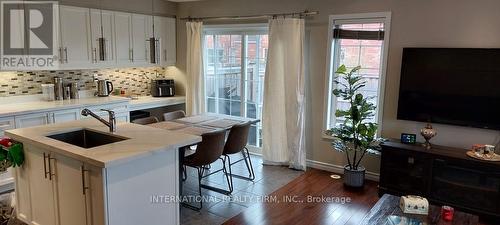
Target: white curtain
283,110
195,94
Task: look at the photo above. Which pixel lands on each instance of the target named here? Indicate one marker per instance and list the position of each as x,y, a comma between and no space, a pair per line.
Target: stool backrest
174,115
210,148
237,138
147,120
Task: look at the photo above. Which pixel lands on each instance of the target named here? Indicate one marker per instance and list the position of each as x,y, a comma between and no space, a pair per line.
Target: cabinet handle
50,167
66,54
94,55
45,165
84,186
132,59
61,56
165,55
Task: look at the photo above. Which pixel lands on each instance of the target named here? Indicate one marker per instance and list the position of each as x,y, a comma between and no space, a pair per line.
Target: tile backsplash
135,81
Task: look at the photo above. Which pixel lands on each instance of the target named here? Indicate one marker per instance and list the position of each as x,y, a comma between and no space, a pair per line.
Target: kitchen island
79,173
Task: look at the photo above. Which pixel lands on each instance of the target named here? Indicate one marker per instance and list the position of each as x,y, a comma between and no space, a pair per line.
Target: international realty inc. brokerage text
162,199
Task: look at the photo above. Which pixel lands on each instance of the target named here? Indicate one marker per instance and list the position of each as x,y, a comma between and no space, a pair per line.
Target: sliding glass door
234,66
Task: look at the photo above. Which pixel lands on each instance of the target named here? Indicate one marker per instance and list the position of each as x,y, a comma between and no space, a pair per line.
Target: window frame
384,17
243,30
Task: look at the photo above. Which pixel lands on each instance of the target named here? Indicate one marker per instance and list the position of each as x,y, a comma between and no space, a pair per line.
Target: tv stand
444,175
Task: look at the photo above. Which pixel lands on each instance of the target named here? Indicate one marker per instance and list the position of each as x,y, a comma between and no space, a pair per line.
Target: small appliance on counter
104,88
162,88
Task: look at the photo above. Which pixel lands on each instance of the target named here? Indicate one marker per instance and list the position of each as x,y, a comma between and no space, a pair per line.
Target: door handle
66,54
84,186
94,55
61,55
50,167
45,165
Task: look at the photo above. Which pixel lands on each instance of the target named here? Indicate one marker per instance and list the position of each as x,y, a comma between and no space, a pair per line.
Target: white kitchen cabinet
6,123
102,18
29,120
165,33
141,32
64,115
71,190
55,189
75,38
123,38
35,188
170,42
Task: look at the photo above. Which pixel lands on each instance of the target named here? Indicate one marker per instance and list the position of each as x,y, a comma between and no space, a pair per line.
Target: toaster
162,88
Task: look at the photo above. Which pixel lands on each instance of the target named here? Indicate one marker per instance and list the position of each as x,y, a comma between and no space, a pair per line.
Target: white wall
415,23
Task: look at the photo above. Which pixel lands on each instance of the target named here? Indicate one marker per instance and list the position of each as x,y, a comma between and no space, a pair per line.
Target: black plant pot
354,178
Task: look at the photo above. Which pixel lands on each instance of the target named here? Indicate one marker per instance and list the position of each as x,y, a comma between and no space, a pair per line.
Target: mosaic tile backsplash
135,81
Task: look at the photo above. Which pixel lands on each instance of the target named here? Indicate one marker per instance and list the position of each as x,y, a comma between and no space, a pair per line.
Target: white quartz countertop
144,102
10,106
143,141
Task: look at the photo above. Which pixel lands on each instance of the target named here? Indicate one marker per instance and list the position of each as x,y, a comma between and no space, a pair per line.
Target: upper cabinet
75,34
141,32
101,23
169,42
92,39
123,40
165,34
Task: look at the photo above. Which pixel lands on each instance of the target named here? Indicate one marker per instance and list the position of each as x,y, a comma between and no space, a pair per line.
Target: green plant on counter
12,156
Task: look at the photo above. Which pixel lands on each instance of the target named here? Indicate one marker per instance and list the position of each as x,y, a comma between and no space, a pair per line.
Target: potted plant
11,154
356,134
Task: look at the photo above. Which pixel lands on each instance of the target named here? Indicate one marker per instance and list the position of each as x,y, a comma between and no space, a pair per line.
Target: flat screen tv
458,86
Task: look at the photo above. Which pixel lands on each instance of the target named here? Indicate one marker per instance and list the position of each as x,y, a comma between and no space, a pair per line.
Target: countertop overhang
143,141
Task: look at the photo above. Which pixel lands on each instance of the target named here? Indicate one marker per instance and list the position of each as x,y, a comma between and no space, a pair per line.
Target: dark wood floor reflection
314,183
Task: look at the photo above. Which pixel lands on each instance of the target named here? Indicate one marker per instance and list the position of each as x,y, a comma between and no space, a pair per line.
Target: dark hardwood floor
315,183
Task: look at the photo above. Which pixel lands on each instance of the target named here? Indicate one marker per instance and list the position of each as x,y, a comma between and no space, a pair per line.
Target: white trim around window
384,17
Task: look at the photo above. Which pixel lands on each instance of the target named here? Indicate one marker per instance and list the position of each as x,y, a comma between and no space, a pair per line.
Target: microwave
162,88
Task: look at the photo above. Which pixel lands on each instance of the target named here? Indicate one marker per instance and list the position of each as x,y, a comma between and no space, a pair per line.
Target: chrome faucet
112,119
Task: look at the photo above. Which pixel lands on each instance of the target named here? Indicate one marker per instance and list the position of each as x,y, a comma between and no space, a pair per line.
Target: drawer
117,108
6,123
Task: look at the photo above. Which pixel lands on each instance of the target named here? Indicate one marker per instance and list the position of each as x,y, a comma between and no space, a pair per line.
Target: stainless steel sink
87,138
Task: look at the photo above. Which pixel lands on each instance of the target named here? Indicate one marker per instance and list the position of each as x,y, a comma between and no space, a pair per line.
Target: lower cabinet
30,120
54,189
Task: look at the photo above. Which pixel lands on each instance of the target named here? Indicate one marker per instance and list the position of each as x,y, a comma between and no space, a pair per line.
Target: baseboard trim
331,168
338,169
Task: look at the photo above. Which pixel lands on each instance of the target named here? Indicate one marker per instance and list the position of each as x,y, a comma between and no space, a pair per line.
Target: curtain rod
264,16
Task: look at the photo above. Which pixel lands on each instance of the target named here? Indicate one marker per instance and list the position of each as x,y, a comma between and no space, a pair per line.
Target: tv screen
451,86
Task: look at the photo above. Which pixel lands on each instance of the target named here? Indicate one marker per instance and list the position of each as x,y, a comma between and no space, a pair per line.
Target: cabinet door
6,123
65,115
41,190
123,40
75,37
31,120
104,18
69,176
169,42
95,182
141,31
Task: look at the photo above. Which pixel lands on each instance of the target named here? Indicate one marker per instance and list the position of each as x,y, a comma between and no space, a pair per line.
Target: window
234,72
357,40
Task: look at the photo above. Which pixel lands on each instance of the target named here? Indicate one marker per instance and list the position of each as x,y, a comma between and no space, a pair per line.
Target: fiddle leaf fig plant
356,134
